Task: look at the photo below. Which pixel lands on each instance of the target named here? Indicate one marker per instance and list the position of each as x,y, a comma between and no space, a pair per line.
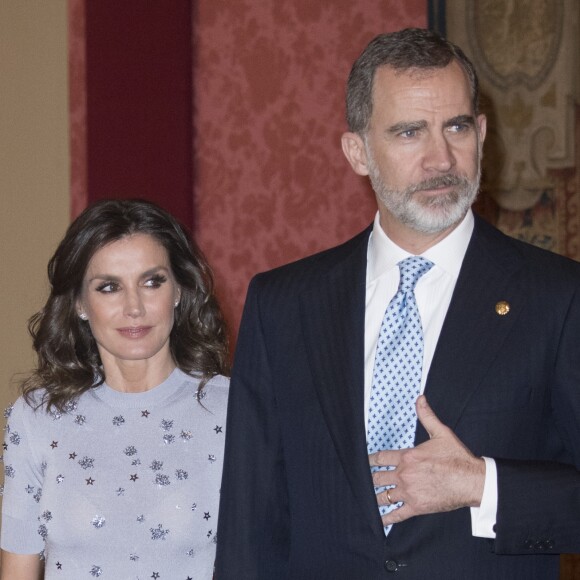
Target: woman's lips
134,331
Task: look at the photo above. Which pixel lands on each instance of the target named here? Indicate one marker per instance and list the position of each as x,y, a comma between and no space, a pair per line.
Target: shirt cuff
483,517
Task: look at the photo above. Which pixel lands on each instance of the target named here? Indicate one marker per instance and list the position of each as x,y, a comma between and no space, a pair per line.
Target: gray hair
411,48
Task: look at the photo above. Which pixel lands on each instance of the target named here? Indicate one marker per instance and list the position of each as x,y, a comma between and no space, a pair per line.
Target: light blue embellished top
123,486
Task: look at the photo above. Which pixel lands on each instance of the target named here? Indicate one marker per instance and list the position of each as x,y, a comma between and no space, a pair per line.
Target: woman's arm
21,566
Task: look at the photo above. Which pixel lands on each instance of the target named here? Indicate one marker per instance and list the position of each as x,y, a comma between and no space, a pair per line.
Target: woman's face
128,295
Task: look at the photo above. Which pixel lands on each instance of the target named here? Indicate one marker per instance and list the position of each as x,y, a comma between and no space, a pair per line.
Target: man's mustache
447,180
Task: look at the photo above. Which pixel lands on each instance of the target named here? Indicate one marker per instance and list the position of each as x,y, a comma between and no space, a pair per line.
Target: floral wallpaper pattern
271,183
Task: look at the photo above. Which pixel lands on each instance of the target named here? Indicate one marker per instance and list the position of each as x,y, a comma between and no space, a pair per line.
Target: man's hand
439,475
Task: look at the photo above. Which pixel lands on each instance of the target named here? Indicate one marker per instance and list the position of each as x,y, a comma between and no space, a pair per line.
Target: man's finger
389,457
397,515
428,419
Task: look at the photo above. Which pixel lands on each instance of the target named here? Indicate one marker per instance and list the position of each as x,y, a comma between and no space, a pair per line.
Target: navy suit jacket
297,500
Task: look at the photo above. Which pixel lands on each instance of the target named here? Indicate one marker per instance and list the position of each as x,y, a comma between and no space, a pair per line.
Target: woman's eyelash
153,281
157,280
106,287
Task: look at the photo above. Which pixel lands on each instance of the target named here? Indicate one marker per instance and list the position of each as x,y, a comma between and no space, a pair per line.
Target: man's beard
432,214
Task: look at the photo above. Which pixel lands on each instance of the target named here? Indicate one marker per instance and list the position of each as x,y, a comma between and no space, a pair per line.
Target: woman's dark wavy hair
68,359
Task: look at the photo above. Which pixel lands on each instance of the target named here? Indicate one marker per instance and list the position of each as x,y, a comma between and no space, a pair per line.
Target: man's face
422,149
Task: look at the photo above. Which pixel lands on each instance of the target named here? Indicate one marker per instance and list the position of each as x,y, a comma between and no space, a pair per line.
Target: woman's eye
107,287
155,281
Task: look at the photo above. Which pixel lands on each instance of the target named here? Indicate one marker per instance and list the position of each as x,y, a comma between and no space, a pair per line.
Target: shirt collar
448,254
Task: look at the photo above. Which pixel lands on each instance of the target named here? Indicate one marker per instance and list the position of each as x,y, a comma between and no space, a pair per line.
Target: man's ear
354,150
481,128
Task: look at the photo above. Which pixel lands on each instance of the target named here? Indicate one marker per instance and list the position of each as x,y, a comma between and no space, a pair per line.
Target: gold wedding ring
389,497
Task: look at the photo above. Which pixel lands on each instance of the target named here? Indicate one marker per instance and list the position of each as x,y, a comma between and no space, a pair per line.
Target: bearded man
336,465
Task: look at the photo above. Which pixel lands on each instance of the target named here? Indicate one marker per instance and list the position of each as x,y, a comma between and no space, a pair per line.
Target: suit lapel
333,322
473,332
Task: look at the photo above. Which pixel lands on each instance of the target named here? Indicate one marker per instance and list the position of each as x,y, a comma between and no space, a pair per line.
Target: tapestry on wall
525,53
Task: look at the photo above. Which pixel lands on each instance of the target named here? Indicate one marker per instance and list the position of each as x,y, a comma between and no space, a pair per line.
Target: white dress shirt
433,295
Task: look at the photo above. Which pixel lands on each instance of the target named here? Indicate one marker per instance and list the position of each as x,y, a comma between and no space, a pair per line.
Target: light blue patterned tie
397,373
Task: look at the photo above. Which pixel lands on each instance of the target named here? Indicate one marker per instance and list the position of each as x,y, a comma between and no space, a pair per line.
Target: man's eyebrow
461,120
406,126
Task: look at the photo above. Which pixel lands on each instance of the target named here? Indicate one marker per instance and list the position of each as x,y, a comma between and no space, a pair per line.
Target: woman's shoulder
218,382
213,395
34,406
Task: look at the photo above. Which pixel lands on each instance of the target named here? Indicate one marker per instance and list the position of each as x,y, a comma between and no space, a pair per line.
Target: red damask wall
270,182
229,114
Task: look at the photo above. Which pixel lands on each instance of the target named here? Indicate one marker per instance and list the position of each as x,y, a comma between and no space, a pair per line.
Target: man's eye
459,127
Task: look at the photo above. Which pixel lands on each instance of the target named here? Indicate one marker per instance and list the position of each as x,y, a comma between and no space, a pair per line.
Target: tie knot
412,268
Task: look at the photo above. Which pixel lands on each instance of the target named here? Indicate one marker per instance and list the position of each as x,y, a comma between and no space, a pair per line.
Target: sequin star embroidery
206,516
155,575
96,571
162,479
58,566
98,521
54,444
120,491
72,455
90,481
86,462
134,477
217,429
145,413
158,533
118,420
211,458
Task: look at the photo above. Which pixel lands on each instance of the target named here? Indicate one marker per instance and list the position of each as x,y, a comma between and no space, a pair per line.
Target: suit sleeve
253,535
539,501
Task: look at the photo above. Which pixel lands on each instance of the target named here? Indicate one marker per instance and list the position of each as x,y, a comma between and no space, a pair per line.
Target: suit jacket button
391,566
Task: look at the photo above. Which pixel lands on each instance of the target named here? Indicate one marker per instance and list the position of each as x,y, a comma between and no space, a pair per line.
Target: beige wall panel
34,168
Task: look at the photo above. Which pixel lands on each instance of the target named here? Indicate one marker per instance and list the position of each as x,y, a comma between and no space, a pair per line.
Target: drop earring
83,316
